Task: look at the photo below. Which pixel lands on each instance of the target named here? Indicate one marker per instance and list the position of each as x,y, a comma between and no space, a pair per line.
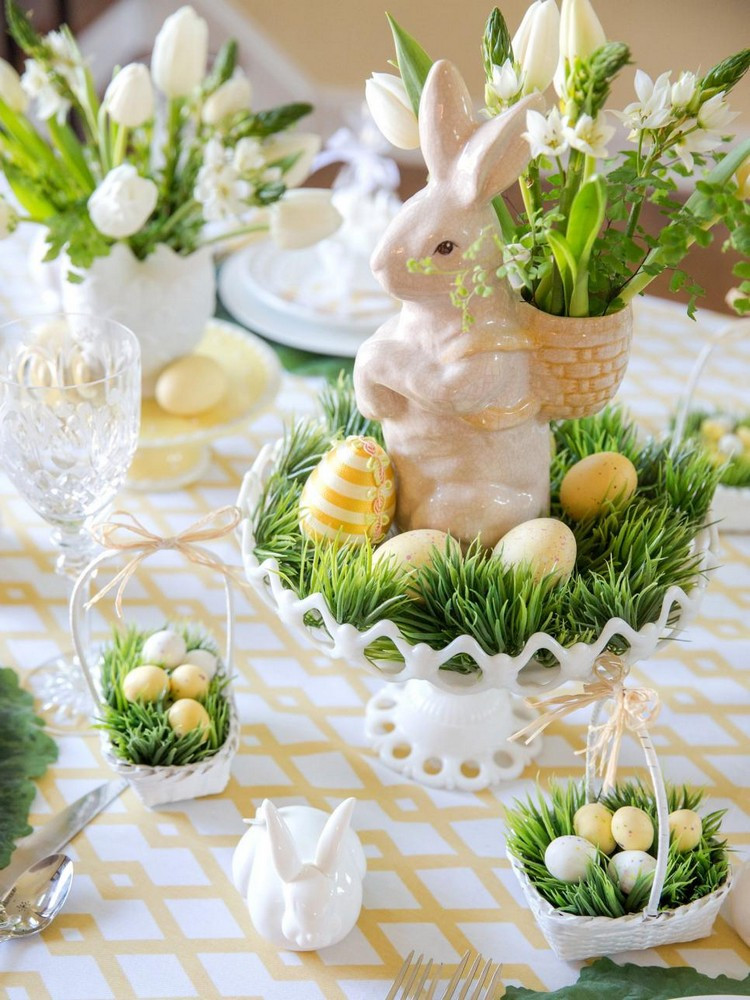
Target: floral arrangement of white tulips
577,246
133,177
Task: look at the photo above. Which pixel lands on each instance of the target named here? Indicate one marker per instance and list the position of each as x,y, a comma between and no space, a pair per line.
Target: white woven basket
157,786
574,937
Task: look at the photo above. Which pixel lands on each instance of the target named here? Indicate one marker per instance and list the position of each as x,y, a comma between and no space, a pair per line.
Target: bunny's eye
446,247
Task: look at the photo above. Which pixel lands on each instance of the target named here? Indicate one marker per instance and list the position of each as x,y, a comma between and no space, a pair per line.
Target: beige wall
339,42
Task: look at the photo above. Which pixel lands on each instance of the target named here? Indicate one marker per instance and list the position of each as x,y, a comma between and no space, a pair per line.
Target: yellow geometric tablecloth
152,912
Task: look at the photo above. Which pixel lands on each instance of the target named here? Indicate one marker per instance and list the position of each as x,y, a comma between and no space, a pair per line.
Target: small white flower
590,135
232,96
652,109
546,136
219,187
715,114
683,91
515,257
8,219
248,156
505,83
695,140
38,85
66,61
122,202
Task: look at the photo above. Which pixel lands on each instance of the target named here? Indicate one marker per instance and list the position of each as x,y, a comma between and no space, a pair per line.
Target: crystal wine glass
70,395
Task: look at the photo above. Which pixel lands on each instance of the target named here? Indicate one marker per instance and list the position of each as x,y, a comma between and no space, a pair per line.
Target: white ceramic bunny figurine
459,414
296,903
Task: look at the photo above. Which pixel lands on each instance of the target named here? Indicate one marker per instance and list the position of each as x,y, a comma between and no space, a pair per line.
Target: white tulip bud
303,217
536,45
305,145
129,99
581,34
232,96
178,62
8,219
11,90
391,109
122,202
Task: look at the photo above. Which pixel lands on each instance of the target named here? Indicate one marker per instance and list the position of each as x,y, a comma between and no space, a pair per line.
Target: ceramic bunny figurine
301,873
459,414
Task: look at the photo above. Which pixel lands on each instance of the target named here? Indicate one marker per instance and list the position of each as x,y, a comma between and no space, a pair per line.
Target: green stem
234,232
121,142
173,145
504,218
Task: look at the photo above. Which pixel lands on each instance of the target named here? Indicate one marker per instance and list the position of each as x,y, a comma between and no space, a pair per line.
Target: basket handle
660,794
727,332
78,611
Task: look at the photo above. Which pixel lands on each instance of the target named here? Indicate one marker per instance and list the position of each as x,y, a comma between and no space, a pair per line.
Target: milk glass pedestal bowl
435,725
70,392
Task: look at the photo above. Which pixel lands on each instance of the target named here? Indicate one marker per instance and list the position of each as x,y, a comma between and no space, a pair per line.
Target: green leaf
223,67
265,123
566,263
413,62
20,29
586,218
496,43
71,152
25,751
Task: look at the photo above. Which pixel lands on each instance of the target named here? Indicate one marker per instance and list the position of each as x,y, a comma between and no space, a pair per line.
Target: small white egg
544,544
167,648
146,683
593,822
204,659
730,445
568,858
188,681
626,866
686,827
632,829
186,715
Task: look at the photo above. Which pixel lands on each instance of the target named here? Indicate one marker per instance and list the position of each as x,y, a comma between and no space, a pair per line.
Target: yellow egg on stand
593,822
191,385
590,486
411,550
545,545
686,827
632,829
186,715
188,681
146,683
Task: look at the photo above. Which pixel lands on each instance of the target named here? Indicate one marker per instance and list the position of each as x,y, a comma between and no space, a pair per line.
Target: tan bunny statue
462,424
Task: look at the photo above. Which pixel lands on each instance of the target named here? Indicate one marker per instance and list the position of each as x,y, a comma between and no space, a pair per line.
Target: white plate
321,336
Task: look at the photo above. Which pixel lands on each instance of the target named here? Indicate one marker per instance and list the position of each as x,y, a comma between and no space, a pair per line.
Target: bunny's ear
332,835
496,154
285,858
446,119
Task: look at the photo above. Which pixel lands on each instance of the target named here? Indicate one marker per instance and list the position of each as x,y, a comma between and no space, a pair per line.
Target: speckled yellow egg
632,829
593,822
686,827
591,485
411,549
191,385
186,715
146,683
188,681
545,545
714,428
350,495
626,867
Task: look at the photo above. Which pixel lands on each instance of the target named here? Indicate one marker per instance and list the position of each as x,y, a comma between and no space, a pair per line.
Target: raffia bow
629,708
129,535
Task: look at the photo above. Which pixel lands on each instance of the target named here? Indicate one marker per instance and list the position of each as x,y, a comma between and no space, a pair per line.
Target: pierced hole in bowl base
401,751
503,759
383,728
470,769
433,765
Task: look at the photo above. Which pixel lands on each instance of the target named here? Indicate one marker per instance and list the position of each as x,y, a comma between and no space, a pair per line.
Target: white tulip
305,145
536,45
11,90
581,34
303,217
391,109
232,96
122,202
129,99
8,219
178,62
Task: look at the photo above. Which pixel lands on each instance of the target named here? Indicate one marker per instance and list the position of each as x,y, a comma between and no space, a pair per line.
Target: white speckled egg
167,648
146,683
544,544
350,495
730,445
568,858
632,829
186,715
204,659
188,681
591,485
412,549
686,827
739,903
593,822
626,866
191,385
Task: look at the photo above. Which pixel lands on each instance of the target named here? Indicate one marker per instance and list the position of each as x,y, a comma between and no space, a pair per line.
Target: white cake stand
441,727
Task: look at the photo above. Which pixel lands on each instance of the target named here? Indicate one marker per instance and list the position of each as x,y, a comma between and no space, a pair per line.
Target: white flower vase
166,300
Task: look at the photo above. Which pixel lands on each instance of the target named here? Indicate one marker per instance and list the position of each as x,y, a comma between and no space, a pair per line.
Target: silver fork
412,979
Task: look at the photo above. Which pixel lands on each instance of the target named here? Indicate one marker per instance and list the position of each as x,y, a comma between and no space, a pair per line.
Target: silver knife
59,831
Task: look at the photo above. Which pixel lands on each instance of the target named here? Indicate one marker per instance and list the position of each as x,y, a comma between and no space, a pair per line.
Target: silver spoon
36,897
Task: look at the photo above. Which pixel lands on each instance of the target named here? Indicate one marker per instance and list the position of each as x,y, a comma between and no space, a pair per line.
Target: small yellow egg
632,829
188,681
714,428
593,822
191,385
186,715
350,495
592,484
686,827
410,550
146,683
545,545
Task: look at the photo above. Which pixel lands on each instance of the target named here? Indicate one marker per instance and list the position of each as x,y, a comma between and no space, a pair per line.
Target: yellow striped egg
350,495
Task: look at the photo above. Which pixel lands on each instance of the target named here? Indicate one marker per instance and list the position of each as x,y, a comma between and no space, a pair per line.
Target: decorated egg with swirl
350,495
